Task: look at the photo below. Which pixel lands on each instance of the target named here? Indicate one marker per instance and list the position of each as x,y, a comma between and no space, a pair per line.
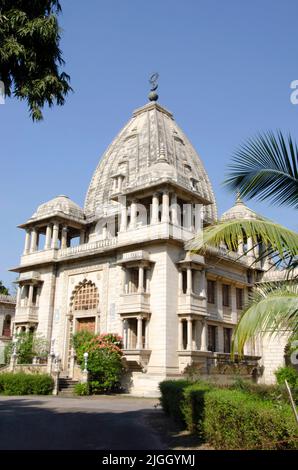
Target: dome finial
153,96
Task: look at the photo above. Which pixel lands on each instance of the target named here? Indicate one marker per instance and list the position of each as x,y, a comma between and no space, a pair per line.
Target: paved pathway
77,423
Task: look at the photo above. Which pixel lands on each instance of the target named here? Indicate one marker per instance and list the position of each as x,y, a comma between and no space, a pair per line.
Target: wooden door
86,324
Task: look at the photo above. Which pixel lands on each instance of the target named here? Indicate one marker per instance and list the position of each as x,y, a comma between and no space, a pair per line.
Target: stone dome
60,205
239,211
151,148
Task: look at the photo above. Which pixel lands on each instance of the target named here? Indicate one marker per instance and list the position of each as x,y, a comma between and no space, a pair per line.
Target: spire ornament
153,96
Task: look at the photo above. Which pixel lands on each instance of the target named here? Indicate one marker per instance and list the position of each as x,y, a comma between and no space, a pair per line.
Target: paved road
77,423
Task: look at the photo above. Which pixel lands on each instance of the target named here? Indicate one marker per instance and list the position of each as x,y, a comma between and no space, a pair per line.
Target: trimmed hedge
193,406
25,384
236,420
231,418
171,398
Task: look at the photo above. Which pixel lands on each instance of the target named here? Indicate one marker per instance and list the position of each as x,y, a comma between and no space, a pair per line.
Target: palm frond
275,238
271,309
266,167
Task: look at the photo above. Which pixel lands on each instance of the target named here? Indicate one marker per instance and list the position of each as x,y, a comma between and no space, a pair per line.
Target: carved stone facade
122,265
7,313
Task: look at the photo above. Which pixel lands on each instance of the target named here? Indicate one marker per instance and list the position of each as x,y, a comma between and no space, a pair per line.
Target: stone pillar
123,219
198,218
64,237
203,283
133,214
234,304
146,334
180,283
189,334
55,235
82,237
189,281
139,333
180,335
34,236
141,279
250,252
48,239
165,210
240,249
204,336
155,209
104,232
30,295
220,338
18,300
219,300
174,209
187,209
27,242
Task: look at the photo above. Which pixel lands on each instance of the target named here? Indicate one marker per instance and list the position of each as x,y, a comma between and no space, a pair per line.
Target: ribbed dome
150,148
60,205
239,211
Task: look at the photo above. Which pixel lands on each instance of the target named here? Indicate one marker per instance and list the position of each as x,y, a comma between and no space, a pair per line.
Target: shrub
82,389
287,373
104,360
193,406
237,420
25,384
172,398
29,345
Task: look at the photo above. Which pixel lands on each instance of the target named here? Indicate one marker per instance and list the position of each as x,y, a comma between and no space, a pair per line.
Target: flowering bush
104,359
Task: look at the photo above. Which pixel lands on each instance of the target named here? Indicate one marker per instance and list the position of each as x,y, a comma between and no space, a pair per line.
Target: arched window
85,297
7,326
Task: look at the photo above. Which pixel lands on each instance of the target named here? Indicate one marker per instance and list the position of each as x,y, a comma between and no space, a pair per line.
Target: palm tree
265,167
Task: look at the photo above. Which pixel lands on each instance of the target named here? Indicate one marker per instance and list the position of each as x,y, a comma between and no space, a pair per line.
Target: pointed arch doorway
83,315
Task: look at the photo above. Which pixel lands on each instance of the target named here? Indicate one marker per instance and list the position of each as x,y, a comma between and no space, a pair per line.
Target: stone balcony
141,233
26,315
218,363
134,303
161,230
137,359
191,304
38,257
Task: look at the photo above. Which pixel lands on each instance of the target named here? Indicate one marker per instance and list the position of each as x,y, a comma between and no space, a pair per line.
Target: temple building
121,263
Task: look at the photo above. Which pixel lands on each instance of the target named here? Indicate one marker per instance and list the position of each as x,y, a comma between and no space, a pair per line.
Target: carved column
204,336
203,283
34,236
123,220
180,283
189,334
82,237
30,295
64,237
180,335
155,209
48,239
133,214
141,279
139,333
165,211
174,209
189,281
27,242
55,235
198,217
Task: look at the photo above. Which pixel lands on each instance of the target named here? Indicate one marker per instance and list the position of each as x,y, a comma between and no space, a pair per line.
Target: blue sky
225,72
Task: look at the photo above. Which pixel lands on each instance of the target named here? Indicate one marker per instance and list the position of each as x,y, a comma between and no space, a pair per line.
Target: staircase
66,386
